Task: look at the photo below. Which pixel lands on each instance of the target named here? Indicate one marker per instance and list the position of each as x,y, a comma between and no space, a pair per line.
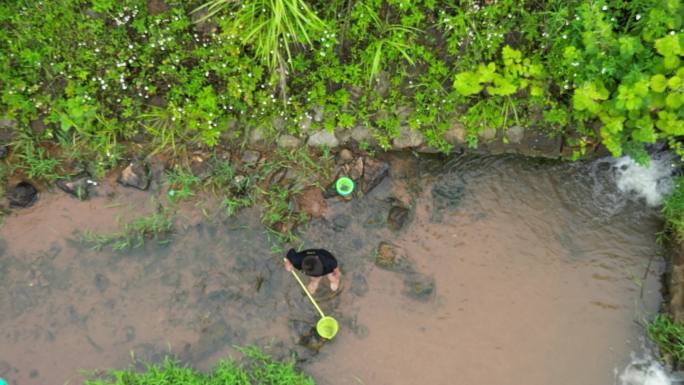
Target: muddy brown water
511,272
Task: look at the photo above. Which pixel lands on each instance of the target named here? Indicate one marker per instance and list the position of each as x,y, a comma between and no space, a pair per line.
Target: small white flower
604,8
638,16
565,36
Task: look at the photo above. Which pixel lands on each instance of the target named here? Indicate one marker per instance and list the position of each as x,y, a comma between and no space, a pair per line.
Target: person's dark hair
311,265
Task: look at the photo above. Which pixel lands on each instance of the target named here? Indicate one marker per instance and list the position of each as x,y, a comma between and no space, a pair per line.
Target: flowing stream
506,271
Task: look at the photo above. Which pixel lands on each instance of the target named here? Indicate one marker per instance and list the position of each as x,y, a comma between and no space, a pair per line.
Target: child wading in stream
316,263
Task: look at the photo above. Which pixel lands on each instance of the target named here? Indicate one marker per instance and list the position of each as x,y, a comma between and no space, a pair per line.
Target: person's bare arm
288,265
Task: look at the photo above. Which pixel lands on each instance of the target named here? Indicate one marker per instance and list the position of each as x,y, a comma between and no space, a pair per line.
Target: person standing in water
316,263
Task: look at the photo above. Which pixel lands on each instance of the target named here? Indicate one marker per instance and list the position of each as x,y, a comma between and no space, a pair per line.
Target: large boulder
136,175
22,195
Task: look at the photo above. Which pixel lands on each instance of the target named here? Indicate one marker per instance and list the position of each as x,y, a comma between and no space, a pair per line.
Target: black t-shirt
327,259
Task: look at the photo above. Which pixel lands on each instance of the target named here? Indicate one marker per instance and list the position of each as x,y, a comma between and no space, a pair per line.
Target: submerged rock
387,256
341,222
446,194
374,171
101,282
214,337
397,217
22,195
135,175
419,286
77,186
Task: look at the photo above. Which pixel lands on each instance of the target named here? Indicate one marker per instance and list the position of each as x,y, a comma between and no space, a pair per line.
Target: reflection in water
513,271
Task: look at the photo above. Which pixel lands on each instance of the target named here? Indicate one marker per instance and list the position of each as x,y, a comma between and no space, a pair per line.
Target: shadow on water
482,250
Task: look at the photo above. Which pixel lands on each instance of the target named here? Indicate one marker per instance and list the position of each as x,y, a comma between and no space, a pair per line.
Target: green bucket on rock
344,186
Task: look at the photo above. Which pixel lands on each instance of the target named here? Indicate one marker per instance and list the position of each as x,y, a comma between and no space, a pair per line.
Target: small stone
487,134
456,135
374,171
288,141
33,373
4,151
397,217
408,138
101,282
136,175
356,171
346,155
323,138
250,157
515,134
419,286
22,195
78,187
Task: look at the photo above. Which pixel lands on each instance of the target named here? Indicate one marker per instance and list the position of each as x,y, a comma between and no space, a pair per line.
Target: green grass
668,335
257,369
673,210
133,234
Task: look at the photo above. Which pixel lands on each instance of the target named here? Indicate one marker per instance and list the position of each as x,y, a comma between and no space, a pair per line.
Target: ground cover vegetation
83,78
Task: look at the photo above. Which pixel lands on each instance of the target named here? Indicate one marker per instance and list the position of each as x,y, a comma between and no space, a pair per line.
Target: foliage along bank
82,79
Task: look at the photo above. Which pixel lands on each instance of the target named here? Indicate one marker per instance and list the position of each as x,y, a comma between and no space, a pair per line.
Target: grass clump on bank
669,336
259,369
673,210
